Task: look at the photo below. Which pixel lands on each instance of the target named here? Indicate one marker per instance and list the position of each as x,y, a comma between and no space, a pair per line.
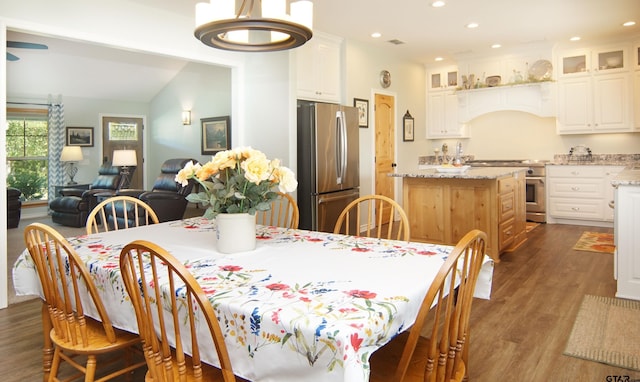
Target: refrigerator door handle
333,198
341,146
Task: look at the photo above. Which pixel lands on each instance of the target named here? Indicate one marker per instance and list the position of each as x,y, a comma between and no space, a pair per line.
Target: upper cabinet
591,61
442,104
595,91
443,78
318,69
443,116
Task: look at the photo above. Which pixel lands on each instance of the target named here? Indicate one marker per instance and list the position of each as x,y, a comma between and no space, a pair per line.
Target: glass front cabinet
588,61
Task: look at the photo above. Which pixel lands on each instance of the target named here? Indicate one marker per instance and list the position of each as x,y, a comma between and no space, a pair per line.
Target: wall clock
385,78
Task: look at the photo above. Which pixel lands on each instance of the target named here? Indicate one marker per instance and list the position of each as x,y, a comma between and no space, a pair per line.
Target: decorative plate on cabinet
541,70
492,81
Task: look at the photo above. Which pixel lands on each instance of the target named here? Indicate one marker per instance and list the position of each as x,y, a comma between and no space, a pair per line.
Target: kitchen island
443,206
626,227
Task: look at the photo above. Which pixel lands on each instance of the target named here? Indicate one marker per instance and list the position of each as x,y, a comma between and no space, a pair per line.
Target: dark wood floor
518,335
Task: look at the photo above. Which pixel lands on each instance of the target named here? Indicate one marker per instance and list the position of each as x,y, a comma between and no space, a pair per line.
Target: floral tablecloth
303,305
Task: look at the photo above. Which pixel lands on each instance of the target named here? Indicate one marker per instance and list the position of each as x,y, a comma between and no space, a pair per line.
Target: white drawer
576,171
576,209
576,188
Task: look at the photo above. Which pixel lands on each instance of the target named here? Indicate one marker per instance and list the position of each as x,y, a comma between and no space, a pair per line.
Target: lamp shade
71,154
124,158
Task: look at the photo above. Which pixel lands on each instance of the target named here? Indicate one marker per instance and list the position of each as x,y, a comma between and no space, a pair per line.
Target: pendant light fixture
220,25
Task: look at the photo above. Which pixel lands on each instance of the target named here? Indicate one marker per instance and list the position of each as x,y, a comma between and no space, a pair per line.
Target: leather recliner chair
72,208
167,197
14,207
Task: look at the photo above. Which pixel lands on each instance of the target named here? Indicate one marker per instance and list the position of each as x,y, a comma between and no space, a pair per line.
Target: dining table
302,306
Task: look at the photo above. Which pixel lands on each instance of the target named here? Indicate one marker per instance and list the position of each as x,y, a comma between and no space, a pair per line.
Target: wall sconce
186,117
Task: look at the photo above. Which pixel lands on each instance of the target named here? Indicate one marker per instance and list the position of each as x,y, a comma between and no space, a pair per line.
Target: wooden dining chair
63,277
120,212
145,265
445,310
379,212
283,213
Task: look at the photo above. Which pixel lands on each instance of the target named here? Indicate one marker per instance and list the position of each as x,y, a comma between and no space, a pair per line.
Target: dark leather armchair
167,198
73,207
14,207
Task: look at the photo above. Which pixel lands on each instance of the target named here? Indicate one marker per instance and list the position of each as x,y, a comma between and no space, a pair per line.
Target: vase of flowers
239,182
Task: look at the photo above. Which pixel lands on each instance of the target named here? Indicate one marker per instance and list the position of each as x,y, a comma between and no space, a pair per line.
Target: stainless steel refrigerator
328,162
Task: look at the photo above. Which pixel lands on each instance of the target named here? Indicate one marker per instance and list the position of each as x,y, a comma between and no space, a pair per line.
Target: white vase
235,232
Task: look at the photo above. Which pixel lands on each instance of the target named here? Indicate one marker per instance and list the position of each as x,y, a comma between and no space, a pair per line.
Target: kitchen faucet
458,153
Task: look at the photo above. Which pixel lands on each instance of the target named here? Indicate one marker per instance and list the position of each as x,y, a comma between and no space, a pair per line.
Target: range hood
535,98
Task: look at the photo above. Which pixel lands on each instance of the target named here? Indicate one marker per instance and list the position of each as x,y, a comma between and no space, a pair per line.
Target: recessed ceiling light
496,46
472,25
439,59
575,38
629,24
437,4
376,34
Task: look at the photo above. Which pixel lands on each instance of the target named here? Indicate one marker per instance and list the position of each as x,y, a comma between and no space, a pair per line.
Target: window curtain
57,139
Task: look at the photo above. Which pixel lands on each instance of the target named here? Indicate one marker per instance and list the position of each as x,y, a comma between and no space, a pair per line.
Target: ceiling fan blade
11,57
25,45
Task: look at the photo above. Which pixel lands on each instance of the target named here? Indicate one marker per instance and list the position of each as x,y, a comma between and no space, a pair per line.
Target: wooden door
385,147
124,133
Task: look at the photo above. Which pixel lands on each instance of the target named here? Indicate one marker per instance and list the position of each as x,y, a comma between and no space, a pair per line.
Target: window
27,152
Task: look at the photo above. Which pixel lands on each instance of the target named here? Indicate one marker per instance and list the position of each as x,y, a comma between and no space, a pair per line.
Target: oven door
536,194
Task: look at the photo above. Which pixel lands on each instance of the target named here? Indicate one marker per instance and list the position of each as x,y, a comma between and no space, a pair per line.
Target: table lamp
124,159
70,155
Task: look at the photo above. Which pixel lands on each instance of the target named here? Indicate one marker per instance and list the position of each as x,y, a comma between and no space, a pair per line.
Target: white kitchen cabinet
580,194
595,104
627,241
442,78
595,94
318,69
610,172
442,120
581,62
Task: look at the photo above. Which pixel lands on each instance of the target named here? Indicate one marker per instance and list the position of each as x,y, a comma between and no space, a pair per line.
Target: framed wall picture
407,127
216,134
80,136
363,111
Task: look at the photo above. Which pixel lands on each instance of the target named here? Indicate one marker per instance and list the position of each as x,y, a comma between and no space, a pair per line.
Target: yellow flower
186,173
256,168
285,178
240,180
207,171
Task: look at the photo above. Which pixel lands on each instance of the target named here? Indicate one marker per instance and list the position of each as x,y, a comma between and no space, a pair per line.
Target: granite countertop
596,160
630,176
471,173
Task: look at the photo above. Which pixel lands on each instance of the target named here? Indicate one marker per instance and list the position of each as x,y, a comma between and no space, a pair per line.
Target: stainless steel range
535,180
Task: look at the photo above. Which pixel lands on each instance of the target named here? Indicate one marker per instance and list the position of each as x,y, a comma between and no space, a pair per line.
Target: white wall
363,66
203,89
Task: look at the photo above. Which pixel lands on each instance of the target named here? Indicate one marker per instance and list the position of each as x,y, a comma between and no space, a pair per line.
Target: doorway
124,133
385,147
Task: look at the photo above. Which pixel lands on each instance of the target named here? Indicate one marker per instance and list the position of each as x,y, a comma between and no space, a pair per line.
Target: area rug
606,330
595,242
